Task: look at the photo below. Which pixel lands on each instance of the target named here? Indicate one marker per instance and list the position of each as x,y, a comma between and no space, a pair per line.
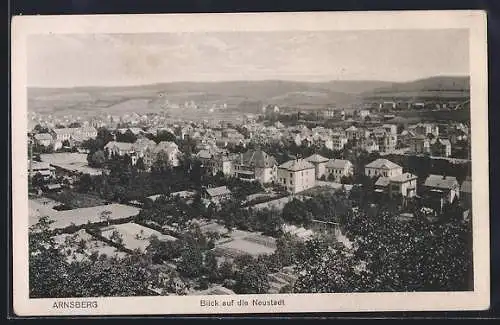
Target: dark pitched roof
442,182
337,163
296,165
403,177
382,164
316,158
257,158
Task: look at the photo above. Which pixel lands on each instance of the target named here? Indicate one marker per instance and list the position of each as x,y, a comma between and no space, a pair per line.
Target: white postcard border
475,21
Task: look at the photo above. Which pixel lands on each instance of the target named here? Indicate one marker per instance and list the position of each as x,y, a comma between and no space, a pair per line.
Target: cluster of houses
145,149
295,175
386,138
421,138
437,190
390,181
57,137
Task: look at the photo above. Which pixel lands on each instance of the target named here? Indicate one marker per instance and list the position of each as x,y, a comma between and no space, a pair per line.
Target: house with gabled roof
118,148
441,147
354,134
338,168
370,145
255,165
170,149
383,167
442,187
296,175
404,185
319,163
420,144
339,140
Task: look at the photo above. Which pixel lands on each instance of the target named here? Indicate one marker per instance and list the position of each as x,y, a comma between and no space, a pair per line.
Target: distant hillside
442,86
240,96
236,94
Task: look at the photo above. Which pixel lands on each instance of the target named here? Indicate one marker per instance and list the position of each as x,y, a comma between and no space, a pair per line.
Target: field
78,217
134,236
81,245
75,200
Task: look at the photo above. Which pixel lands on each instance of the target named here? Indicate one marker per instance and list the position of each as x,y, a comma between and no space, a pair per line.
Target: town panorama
141,185
373,197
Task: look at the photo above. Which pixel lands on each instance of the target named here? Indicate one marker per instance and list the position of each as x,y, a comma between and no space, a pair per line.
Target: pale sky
130,59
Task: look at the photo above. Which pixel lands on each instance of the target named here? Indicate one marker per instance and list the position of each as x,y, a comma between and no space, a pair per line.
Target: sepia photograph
259,163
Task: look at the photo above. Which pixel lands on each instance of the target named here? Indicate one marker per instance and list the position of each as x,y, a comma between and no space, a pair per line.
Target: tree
47,266
286,250
296,212
165,136
128,137
191,263
412,255
252,279
324,267
106,216
51,275
226,270
37,180
211,267
75,125
96,159
161,250
40,129
85,183
162,163
269,221
140,164
116,237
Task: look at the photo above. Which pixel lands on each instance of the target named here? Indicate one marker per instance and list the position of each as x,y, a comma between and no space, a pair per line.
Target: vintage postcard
250,163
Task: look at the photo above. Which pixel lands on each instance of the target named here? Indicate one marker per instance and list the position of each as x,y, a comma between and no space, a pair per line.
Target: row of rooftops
142,144
260,159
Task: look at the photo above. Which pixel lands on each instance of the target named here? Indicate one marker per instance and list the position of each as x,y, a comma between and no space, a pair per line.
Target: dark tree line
51,275
389,255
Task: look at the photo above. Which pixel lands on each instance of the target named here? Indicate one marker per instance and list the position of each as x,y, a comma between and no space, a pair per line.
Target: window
291,175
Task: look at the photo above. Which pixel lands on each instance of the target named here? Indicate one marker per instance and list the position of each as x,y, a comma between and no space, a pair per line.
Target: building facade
338,141
255,165
319,163
338,168
296,175
440,190
404,185
383,167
